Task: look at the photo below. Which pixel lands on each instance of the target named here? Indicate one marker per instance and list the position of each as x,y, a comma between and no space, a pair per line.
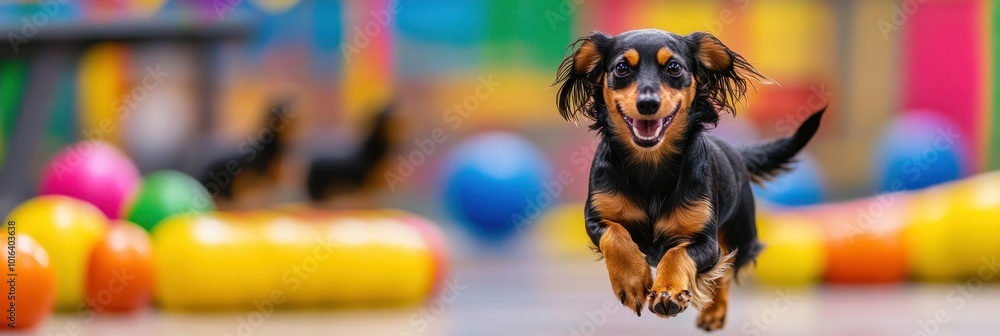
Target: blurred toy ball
68,229
496,183
166,193
803,185
36,285
120,272
95,172
919,150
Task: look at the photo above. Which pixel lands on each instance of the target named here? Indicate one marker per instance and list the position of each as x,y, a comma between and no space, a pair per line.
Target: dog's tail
768,159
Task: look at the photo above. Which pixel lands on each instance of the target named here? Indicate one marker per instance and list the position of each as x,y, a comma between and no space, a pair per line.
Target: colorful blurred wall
469,66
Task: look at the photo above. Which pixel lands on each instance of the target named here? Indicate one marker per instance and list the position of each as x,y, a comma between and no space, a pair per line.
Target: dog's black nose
648,104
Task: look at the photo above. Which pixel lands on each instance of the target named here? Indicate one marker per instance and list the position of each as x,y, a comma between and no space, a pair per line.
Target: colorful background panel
460,208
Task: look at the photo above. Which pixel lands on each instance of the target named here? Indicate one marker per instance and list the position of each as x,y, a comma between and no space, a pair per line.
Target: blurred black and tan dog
353,170
663,192
254,164
248,177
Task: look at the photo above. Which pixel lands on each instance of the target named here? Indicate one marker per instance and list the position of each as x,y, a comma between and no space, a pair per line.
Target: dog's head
650,88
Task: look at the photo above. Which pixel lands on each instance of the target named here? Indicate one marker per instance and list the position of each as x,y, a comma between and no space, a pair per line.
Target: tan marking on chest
616,207
686,220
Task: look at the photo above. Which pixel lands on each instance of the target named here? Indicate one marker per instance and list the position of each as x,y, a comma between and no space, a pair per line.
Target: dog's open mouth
649,132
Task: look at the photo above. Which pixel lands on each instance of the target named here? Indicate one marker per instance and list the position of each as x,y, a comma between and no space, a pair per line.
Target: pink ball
95,172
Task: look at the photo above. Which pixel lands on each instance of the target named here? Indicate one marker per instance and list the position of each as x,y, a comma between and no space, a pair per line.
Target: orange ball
33,288
120,273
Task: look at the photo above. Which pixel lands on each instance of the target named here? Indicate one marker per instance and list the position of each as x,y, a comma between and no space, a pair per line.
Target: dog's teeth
639,135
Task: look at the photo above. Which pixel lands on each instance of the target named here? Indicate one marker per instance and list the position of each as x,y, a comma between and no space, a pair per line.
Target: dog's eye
622,69
674,68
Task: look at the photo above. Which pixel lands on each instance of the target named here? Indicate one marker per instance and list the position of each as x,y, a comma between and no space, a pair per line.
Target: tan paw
631,288
668,303
713,317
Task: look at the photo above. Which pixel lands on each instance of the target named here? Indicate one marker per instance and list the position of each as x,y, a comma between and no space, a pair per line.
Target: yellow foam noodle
926,237
372,255
208,262
795,253
973,221
244,260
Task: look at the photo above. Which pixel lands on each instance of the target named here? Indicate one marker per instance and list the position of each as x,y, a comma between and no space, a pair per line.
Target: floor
521,297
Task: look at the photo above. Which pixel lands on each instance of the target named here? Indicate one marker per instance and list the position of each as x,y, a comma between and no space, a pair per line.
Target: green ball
167,193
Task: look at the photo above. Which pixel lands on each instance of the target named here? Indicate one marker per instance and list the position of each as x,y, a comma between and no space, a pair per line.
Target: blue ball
801,186
919,150
494,185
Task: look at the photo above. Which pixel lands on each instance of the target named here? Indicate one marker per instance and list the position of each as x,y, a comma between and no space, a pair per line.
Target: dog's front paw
713,317
631,288
666,302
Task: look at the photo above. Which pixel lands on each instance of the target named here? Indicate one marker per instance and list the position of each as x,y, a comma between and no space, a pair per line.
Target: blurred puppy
663,192
255,163
350,171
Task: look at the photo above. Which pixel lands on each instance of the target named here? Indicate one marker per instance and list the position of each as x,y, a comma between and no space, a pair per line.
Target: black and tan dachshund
663,192
353,171
230,170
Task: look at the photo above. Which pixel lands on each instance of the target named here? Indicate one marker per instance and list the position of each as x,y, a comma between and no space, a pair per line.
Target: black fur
705,166
258,156
767,160
337,174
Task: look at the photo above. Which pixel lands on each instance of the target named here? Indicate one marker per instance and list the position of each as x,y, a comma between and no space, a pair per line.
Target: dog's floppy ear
722,73
580,74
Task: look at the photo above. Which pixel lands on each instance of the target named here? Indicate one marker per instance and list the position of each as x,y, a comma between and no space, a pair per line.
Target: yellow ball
562,232
794,254
68,229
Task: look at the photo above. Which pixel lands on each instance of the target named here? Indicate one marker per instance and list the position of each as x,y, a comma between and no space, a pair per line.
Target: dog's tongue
647,128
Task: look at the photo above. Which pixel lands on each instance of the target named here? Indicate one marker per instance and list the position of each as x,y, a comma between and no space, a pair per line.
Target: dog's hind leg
713,317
